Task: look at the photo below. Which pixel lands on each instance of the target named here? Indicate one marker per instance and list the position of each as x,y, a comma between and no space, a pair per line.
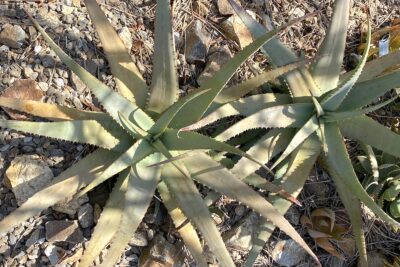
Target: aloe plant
310,121
381,179
137,138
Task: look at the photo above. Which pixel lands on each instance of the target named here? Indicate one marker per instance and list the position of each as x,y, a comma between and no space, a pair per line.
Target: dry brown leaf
26,89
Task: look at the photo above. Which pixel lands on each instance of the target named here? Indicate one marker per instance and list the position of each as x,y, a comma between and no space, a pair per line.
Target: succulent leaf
267,147
108,222
244,106
300,164
112,102
326,69
51,111
173,140
377,67
308,129
221,78
342,115
334,100
164,83
137,152
142,183
339,162
189,199
62,188
81,131
300,81
353,208
205,170
282,116
127,77
368,131
185,229
165,119
364,93
235,92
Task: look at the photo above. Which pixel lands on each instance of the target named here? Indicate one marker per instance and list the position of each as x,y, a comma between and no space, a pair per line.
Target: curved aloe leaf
300,165
192,141
219,80
326,70
267,147
61,188
51,111
165,119
164,83
368,131
353,208
189,199
142,183
283,116
308,129
364,93
205,171
337,116
333,101
372,161
261,183
134,154
127,77
377,67
185,229
112,101
74,131
339,162
244,106
300,81
237,91
108,222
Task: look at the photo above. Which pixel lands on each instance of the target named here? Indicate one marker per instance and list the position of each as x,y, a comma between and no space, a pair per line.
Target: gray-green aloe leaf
339,161
127,77
300,81
191,203
205,171
142,183
108,222
62,188
326,70
164,83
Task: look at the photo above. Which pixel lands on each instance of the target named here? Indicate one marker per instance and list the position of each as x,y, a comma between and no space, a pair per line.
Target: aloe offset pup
138,139
310,121
382,179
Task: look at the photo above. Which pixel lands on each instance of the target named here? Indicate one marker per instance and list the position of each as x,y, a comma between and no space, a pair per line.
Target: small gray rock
37,236
288,253
12,36
197,43
67,10
139,239
27,175
63,231
71,207
241,237
54,254
225,8
44,86
126,37
48,61
217,58
59,82
85,216
48,18
29,73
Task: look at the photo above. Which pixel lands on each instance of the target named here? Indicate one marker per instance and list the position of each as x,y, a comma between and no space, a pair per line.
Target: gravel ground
31,243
